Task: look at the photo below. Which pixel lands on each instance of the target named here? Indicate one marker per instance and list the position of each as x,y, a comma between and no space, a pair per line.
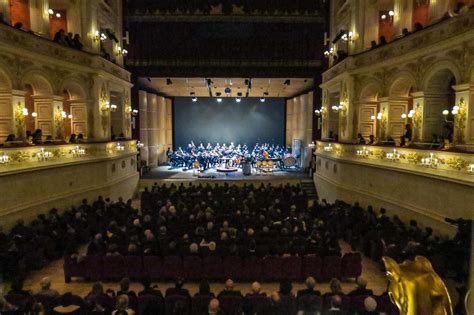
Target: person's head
310,283
45,283
275,296
229,285
256,287
335,285
336,301
361,283
179,283
370,304
285,287
97,288
122,302
125,284
204,287
193,248
213,307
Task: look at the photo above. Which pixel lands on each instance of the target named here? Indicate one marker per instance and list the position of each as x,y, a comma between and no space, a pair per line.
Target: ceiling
275,87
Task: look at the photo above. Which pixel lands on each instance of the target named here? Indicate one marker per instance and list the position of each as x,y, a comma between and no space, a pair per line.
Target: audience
370,305
70,40
178,289
229,289
336,306
122,306
125,288
310,285
46,290
213,308
361,288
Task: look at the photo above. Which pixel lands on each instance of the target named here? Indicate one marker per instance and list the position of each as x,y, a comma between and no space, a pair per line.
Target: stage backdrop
249,121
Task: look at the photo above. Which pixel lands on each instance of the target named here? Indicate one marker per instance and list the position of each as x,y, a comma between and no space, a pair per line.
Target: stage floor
168,173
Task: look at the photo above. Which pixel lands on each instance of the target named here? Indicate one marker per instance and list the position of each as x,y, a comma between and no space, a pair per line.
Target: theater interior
237,157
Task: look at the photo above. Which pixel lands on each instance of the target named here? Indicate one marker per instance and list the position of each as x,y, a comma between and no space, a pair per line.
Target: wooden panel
79,127
366,124
396,112
366,130
79,112
46,127
396,129
79,119
5,108
44,110
5,128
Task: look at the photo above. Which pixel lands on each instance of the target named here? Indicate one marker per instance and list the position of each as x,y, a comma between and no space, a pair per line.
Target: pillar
289,121
143,112
437,9
100,119
464,121
89,25
161,129
309,118
5,10
403,10
152,121
169,123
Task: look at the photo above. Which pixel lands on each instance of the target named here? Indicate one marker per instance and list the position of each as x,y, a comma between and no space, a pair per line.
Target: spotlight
168,81
219,100
194,99
34,114
238,99
262,100
227,90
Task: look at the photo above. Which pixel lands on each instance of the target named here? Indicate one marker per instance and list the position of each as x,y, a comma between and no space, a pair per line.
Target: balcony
36,47
443,34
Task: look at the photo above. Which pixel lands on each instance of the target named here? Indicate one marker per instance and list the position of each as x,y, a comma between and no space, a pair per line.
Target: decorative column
39,17
58,126
161,129
418,117
465,109
5,10
309,118
289,121
325,116
90,26
143,112
169,123
127,116
18,108
382,118
152,121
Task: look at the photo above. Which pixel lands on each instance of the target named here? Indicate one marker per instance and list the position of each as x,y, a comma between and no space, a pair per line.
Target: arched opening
439,95
20,13
368,106
39,102
75,110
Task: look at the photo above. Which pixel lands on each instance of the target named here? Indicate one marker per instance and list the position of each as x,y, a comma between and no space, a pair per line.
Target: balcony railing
15,159
12,39
455,166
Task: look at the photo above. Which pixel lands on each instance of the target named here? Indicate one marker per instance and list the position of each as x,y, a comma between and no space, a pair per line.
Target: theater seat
231,304
351,265
312,266
170,302
331,267
192,268
134,267
251,268
212,267
232,267
94,267
153,267
172,267
72,268
271,268
257,304
114,267
199,304
291,268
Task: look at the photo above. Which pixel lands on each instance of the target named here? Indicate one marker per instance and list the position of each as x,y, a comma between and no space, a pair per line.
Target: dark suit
308,292
361,291
229,293
176,291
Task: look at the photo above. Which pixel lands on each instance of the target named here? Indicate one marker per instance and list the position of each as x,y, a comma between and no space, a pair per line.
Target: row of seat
229,304
270,268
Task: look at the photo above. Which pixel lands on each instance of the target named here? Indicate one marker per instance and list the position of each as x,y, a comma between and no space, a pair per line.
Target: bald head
213,306
310,283
229,285
256,287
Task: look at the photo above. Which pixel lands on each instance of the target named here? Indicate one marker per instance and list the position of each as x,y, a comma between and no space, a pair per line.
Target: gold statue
416,289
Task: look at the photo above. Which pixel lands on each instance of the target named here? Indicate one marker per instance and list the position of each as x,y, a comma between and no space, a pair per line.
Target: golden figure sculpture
416,289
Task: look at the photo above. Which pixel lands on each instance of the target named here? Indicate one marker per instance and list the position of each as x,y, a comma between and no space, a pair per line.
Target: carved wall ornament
59,123
460,121
417,120
20,121
105,109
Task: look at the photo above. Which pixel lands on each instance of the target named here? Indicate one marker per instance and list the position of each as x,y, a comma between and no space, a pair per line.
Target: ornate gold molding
460,121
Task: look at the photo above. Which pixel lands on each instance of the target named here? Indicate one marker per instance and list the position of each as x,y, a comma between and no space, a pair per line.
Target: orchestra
211,156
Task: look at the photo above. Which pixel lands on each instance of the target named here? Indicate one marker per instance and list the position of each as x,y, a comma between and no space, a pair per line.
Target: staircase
308,187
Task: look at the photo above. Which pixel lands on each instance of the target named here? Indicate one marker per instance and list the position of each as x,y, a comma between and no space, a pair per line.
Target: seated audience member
180,308
204,289
92,299
373,44
60,37
46,290
310,285
122,306
405,32
18,26
361,288
67,305
418,27
72,138
276,307
76,42
8,141
335,308
17,288
285,288
406,138
125,288
5,306
382,40
335,286
370,305
69,39
360,139
371,139
178,289
229,289
256,290
80,138
148,289
214,308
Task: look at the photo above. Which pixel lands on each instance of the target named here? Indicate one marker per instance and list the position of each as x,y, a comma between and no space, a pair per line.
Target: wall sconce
430,161
119,147
44,155
113,108
348,37
99,36
122,52
134,112
4,159
78,151
362,153
339,108
410,114
328,148
393,156
34,114
140,144
329,52
470,168
51,12
387,16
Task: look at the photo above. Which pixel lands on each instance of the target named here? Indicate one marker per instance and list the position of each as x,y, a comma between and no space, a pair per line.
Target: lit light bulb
391,13
445,112
372,117
69,116
238,99
404,115
219,100
194,99
34,114
383,16
454,112
58,15
456,108
410,115
50,11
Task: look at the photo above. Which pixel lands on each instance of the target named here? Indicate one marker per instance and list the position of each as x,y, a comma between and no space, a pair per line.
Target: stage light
262,100
238,99
194,99
227,90
219,100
